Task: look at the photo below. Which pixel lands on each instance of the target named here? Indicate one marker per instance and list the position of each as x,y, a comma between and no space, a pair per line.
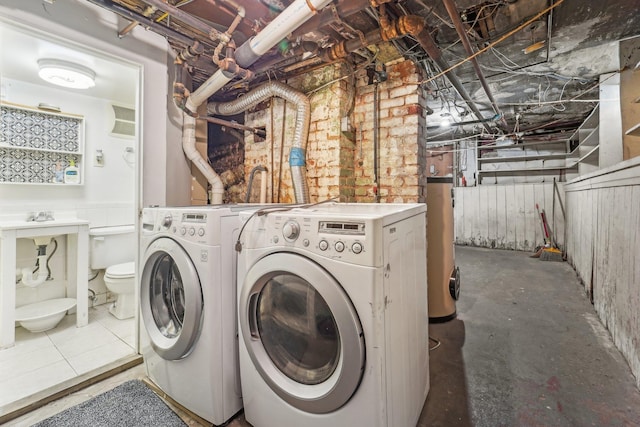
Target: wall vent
124,123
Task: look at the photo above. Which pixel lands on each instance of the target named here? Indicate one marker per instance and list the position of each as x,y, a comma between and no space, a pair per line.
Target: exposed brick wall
329,153
400,129
340,159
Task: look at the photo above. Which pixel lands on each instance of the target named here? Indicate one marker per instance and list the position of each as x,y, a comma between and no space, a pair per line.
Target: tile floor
42,360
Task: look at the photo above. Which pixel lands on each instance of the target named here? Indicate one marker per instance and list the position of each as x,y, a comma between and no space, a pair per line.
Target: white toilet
113,249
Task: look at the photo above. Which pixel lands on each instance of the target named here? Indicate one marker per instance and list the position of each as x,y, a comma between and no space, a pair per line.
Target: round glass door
302,332
170,299
297,329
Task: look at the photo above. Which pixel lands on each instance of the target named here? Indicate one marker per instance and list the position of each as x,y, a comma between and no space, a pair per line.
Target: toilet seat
126,270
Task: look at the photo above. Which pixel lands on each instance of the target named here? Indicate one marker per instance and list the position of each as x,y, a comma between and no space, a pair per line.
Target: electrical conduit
291,18
297,153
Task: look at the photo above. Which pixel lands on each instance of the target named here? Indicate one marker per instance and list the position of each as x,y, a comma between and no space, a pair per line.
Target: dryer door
301,332
170,299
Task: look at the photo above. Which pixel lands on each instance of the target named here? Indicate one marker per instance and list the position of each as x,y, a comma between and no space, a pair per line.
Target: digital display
194,217
355,228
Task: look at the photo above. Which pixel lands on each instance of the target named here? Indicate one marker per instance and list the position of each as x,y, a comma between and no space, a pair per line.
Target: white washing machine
332,306
187,302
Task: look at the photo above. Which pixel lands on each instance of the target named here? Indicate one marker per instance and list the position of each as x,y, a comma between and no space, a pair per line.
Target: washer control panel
187,225
346,240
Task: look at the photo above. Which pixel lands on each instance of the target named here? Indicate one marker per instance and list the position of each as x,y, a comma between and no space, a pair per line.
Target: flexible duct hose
297,153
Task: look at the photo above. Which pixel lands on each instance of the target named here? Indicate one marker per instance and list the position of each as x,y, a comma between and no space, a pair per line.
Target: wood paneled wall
505,216
603,245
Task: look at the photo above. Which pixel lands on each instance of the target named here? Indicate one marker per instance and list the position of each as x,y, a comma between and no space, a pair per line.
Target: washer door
302,332
170,299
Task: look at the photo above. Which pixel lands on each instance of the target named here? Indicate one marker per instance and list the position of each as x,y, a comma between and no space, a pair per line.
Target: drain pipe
457,22
291,18
297,153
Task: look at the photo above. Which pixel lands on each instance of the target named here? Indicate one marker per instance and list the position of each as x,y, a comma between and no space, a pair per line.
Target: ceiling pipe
187,18
297,153
457,22
291,18
163,30
333,14
416,27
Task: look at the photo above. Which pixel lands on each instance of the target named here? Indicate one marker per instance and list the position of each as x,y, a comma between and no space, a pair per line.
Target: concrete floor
527,349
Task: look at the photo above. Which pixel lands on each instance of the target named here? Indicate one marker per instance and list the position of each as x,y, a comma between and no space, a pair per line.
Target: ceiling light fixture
67,74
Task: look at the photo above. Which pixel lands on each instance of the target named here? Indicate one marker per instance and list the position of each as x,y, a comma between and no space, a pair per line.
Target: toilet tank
111,245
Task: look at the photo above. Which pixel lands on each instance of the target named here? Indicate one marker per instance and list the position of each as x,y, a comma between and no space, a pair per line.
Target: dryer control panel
193,224
342,239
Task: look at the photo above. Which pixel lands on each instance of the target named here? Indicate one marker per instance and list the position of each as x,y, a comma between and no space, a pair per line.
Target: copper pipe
457,22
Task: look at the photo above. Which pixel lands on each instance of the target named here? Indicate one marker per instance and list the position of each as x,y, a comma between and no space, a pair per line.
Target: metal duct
291,18
297,154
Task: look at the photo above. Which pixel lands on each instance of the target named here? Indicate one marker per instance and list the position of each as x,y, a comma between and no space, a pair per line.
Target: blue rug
131,404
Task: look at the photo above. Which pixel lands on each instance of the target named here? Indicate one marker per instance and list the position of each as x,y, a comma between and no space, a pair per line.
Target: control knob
291,230
166,221
339,246
323,245
356,248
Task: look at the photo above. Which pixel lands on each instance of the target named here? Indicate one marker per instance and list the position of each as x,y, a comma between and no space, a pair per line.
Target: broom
550,252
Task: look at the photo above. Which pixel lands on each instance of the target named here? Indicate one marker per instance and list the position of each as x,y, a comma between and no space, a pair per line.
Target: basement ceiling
540,59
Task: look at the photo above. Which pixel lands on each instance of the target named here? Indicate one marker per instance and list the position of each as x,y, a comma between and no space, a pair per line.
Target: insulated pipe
457,22
303,118
291,18
27,274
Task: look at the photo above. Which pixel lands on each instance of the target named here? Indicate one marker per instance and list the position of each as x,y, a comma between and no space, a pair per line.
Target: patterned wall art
34,144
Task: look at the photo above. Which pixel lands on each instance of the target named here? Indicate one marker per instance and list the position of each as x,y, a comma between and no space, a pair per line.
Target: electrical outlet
98,159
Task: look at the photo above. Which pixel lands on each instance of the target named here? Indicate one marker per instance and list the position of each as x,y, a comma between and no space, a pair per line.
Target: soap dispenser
71,173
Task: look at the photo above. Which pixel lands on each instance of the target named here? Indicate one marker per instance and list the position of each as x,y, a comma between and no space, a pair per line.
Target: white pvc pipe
291,18
296,14
206,89
189,148
27,274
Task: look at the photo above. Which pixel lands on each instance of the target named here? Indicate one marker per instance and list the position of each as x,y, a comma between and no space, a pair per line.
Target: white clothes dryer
332,306
187,303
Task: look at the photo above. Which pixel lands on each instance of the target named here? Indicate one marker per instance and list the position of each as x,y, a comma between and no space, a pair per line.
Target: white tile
82,340
32,382
100,356
25,363
26,342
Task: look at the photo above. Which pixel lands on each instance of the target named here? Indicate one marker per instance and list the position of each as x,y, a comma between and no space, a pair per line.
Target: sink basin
44,315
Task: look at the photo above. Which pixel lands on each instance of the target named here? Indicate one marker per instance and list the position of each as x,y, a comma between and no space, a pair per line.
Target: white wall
603,245
165,176
107,196
505,216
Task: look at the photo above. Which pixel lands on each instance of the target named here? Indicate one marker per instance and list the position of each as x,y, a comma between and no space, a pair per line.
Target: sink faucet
41,216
